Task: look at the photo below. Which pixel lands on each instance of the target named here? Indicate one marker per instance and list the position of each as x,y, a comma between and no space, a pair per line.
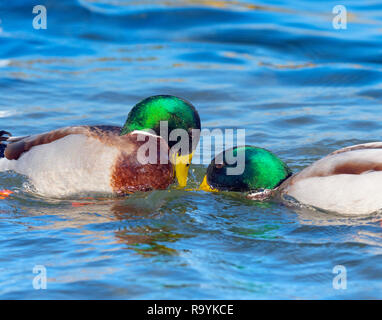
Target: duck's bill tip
182,165
205,186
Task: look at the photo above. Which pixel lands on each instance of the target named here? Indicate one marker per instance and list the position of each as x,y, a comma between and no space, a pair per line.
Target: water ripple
277,69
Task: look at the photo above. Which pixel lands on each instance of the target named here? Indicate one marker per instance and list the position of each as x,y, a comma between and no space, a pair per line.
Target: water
277,69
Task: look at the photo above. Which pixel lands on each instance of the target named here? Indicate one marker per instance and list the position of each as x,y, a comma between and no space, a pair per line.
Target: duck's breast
146,167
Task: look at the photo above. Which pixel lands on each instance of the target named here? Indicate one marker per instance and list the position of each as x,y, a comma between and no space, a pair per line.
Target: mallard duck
105,159
345,182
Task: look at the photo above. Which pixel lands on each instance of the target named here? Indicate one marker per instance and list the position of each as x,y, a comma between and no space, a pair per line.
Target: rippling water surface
277,69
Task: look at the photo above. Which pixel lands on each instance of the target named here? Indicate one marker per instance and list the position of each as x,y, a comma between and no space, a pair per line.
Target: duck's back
347,181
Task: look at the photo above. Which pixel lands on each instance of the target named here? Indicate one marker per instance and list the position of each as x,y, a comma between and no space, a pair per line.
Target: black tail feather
2,138
2,149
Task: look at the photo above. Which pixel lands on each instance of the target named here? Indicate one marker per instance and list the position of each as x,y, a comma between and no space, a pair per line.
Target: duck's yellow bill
205,186
182,165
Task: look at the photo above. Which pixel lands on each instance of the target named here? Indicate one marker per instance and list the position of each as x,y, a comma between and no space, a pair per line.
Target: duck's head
262,170
174,113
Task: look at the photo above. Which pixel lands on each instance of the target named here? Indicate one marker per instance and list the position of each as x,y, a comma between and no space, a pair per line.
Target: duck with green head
82,159
262,171
163,115
346,181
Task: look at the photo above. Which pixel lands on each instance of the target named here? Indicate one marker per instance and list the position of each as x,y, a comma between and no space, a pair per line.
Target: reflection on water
107,6
276,69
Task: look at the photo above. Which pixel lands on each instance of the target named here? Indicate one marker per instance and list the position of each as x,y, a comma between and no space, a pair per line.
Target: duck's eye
187,165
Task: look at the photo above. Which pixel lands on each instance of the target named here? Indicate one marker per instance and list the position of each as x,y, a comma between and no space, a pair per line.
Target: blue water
277,69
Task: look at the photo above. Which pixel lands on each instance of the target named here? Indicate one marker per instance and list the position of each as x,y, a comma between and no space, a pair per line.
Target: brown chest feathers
146,167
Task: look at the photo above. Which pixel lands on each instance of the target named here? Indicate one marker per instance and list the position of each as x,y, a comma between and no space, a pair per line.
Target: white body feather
71,165
352,194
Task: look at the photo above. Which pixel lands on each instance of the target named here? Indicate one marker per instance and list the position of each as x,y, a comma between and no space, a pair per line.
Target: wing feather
17,146
370,145
355,160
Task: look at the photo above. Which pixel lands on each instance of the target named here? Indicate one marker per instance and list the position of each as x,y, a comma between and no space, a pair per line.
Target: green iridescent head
165,114
263,170
148,114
